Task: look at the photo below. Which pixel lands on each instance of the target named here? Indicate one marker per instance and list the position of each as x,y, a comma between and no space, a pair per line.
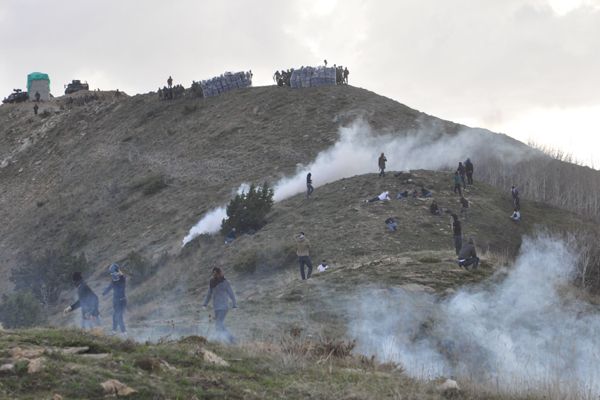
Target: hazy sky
529,68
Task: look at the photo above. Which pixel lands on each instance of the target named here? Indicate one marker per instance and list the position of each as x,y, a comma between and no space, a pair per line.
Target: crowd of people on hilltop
171,92
284,77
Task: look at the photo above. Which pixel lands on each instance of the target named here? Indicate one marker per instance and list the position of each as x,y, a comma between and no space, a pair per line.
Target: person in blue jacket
117,285
87,301
220,292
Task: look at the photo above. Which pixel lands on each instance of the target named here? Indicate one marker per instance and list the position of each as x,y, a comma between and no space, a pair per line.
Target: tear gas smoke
517,335
358,148
211,221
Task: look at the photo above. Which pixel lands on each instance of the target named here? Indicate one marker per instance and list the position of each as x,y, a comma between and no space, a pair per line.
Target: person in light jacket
220,292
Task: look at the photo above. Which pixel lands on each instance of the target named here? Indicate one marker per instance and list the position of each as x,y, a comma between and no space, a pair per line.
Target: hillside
134,173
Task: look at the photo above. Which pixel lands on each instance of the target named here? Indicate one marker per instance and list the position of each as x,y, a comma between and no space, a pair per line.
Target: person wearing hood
468,255
220,292
469,171
303,253
382,160
87,301
117,285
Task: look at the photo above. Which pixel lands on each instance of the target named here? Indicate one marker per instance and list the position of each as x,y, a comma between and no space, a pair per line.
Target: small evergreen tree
20,310
247,212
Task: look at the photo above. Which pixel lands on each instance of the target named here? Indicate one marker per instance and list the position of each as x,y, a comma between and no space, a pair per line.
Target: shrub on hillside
21,310
247,212
47,275
140,268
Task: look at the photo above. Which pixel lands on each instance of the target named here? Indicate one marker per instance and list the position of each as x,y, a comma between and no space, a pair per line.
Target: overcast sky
528,68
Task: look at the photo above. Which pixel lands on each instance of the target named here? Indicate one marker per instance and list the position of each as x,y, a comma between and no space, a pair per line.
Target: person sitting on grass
391,224
434,208
516,215
385,196
468,256
323,266
402,195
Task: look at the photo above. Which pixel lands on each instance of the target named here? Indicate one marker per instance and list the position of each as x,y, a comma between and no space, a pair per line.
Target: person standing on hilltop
456,233
469,171
219,290
309,186
303,253
117,285
382,160
87,301
170,82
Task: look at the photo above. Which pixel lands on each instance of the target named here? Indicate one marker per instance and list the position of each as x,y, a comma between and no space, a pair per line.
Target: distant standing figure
117,285
346,73
469,171
382,160
462,173
457,184
220,292
35,109
515,196
309,186
170,82
457,233
87,301
325,61
464,207
37,97
468,256
303,253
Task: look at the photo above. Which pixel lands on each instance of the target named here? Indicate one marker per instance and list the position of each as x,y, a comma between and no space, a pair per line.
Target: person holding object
87,301
303,253
117,285
220,292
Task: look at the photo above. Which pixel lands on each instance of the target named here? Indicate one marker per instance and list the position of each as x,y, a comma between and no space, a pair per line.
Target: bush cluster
21,310
247,212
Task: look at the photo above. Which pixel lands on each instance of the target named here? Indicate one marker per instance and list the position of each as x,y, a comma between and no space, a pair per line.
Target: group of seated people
385,196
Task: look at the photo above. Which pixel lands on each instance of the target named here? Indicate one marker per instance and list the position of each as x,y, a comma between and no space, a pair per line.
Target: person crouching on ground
516,215
391,224
303,253
384,196
468,256
87,301
117,285
220,292
323,266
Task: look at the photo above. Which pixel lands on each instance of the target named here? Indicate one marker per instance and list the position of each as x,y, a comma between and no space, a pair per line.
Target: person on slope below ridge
464,207
516,215
468,256
434,209
309,186
382,160
117,284
384,196
303,253
469,171
220,292
456,233
457,184
391,224
87,301
462,173
323,266
514,192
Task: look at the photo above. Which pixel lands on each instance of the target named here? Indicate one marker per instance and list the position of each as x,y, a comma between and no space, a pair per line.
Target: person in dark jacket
469,171
87,301
382,160
220,292
117,285
468,256
464,207
457,233
309,186
434,208
462,173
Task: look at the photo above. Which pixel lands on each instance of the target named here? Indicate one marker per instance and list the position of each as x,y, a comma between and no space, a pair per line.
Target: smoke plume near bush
522,333
357,150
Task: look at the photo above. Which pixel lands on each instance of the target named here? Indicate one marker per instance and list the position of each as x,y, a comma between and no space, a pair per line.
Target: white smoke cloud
358,148
515,335
211,221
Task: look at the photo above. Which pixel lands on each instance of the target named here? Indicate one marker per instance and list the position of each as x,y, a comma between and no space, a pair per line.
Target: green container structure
40,83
